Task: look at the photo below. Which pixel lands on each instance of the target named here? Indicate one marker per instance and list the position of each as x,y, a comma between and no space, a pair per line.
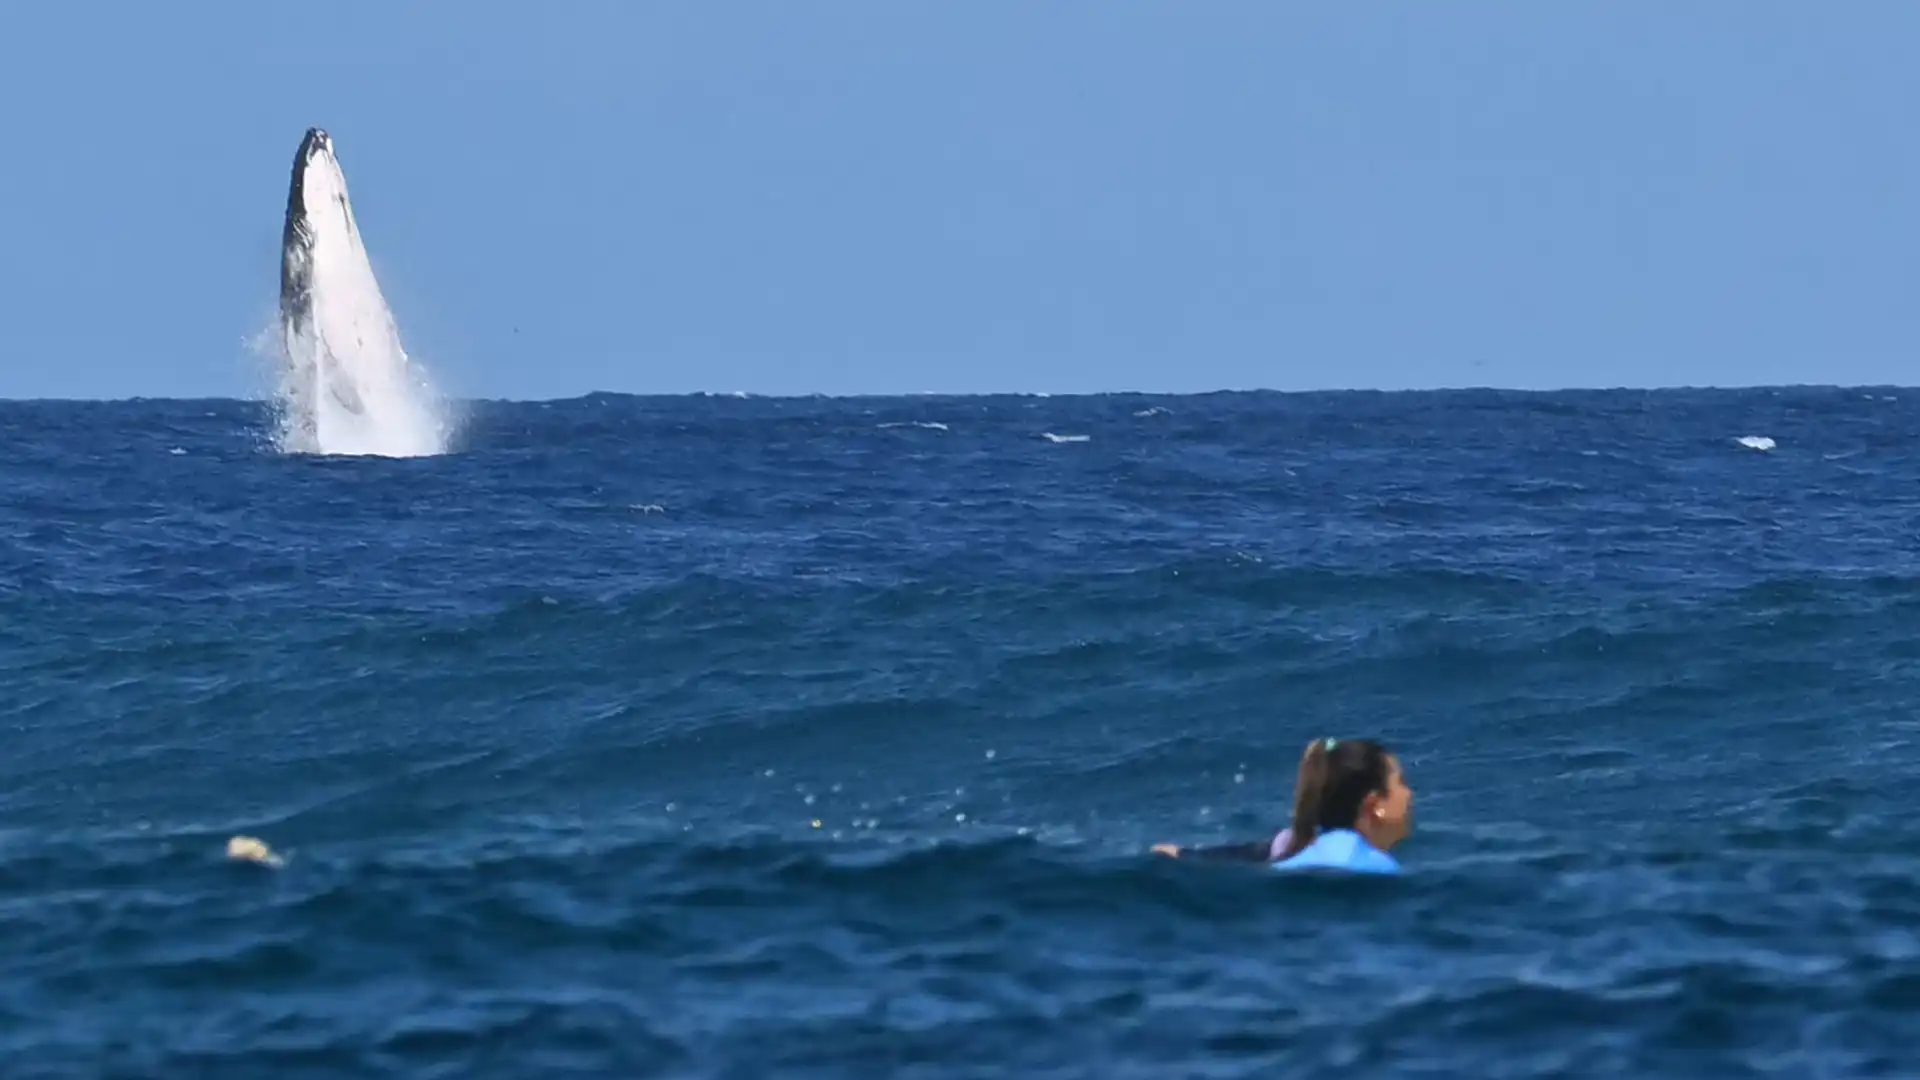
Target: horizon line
1070,394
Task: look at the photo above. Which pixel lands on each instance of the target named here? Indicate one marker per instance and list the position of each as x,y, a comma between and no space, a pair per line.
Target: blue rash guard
1341,849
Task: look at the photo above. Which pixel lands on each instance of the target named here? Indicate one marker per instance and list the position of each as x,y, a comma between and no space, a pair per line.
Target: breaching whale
347,385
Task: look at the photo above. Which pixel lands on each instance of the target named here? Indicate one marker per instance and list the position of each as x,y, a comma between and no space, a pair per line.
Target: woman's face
1390,813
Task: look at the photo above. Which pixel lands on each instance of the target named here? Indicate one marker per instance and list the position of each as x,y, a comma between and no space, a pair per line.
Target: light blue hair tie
1328,744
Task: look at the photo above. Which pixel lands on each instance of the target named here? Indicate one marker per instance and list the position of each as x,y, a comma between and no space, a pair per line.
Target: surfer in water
1351,805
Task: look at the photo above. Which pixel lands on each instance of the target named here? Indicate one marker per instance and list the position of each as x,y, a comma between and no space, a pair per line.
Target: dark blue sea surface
716,737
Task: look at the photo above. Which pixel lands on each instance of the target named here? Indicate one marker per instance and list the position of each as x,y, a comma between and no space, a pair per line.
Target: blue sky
884,197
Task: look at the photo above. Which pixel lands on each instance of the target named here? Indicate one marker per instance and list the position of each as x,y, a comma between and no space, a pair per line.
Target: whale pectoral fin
342,390
346,395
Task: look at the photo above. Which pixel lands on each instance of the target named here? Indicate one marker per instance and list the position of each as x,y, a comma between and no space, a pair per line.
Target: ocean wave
957,945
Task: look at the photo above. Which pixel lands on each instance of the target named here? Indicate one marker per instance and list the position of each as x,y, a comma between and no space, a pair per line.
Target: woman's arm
1250,851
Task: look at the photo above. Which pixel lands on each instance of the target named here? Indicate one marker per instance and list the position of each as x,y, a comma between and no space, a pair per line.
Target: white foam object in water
347,385
254,850
1755,442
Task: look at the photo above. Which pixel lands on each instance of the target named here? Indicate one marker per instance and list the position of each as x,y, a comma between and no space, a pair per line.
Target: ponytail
1336,776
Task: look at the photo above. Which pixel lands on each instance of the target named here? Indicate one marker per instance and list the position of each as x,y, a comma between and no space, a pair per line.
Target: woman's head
1350,784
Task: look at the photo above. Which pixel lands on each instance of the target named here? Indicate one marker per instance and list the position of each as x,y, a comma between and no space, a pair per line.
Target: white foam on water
1755,442
1052,438
346,366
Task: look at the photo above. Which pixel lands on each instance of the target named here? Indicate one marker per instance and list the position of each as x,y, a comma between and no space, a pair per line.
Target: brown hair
1336,776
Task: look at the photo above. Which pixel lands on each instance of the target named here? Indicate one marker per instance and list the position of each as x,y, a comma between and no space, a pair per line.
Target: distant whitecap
1755,442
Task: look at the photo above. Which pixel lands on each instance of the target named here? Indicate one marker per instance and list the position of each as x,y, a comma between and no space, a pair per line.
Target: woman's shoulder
1341,849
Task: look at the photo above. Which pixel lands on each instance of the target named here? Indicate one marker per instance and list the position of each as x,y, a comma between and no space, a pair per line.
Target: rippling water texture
720,737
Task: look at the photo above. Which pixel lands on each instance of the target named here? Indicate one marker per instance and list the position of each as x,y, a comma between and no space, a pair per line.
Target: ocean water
716,737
